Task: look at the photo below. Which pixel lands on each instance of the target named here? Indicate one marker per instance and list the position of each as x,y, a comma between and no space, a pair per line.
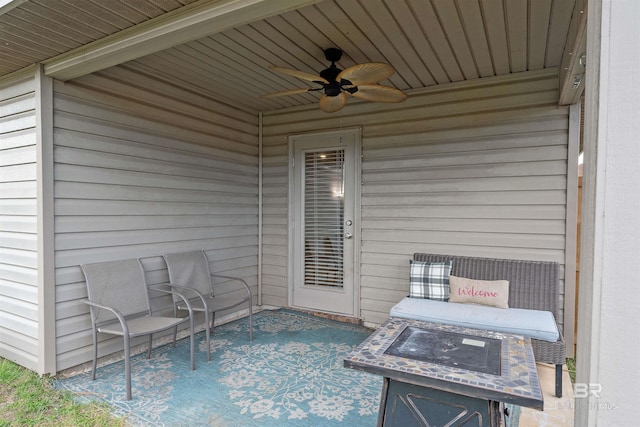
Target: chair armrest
119,316
246,285
173,291
184,290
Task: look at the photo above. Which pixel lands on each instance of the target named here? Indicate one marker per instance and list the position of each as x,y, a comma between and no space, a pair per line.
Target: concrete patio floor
558,412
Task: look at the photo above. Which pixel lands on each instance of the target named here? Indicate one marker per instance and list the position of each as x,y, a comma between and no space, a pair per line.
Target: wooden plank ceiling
428,42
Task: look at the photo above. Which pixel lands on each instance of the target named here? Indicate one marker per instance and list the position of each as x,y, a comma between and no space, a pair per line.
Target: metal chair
190,272
119,305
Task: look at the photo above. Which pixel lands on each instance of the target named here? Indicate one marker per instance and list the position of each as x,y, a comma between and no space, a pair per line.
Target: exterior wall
476,168
608,340
143,168
18,223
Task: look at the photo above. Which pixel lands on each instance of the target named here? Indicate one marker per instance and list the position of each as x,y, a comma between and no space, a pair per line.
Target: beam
45,224
189,23
572,68
7,6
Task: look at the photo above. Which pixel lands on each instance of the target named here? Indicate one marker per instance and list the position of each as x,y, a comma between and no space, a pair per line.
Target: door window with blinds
322,210
324,217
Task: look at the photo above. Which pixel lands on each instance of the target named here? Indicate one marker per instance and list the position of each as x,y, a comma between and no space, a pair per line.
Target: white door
324,224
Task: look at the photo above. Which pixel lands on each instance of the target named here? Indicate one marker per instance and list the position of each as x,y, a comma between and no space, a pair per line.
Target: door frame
357,228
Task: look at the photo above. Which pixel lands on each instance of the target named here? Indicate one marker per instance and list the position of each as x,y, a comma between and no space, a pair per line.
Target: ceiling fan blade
301,75
285,93
371,72
379,93
331,104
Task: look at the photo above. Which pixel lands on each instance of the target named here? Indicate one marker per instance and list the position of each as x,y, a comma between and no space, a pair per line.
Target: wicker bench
533,286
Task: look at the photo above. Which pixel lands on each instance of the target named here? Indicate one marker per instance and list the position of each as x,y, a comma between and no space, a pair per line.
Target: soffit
428,42
35,30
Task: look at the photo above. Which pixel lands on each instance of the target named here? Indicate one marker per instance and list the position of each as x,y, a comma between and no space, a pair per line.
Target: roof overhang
168,30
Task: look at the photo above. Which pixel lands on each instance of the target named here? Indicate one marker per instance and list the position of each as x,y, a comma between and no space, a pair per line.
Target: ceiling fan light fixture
332,104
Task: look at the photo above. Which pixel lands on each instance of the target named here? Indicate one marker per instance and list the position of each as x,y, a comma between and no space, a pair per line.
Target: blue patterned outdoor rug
292,374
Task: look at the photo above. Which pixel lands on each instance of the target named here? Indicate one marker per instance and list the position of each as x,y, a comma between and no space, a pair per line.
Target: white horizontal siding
476,168
18,224
143,168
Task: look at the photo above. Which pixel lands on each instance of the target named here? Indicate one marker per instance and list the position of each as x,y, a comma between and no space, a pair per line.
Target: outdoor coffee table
437,374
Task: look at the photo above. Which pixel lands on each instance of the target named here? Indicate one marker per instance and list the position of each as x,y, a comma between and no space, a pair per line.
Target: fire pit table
438,374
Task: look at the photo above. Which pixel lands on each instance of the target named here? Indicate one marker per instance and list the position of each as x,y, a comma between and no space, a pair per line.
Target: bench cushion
536,324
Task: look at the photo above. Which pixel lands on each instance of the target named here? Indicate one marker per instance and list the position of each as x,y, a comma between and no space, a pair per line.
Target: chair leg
175,330
250,322
192,342
95,354
127,365
149,347
558,380
207,335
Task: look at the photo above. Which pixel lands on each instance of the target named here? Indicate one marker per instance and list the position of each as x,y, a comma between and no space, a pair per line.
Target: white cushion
536,324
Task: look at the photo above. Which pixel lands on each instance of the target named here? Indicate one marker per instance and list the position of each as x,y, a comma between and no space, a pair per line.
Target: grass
28,400
571,367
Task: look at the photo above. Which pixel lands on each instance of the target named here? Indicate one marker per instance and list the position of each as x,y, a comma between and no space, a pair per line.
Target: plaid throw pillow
429,280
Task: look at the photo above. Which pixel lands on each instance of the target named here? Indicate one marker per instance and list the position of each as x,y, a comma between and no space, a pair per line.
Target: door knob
348,235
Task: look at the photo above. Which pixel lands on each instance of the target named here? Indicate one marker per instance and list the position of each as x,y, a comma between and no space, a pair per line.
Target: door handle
348,235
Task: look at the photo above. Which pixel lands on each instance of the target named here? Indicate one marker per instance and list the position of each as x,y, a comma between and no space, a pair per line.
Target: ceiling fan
359,81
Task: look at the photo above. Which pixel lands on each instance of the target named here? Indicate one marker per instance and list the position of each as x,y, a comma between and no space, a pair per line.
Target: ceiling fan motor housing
332,89
331,74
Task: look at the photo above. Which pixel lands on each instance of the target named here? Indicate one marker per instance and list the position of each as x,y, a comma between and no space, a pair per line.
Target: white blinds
324,218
